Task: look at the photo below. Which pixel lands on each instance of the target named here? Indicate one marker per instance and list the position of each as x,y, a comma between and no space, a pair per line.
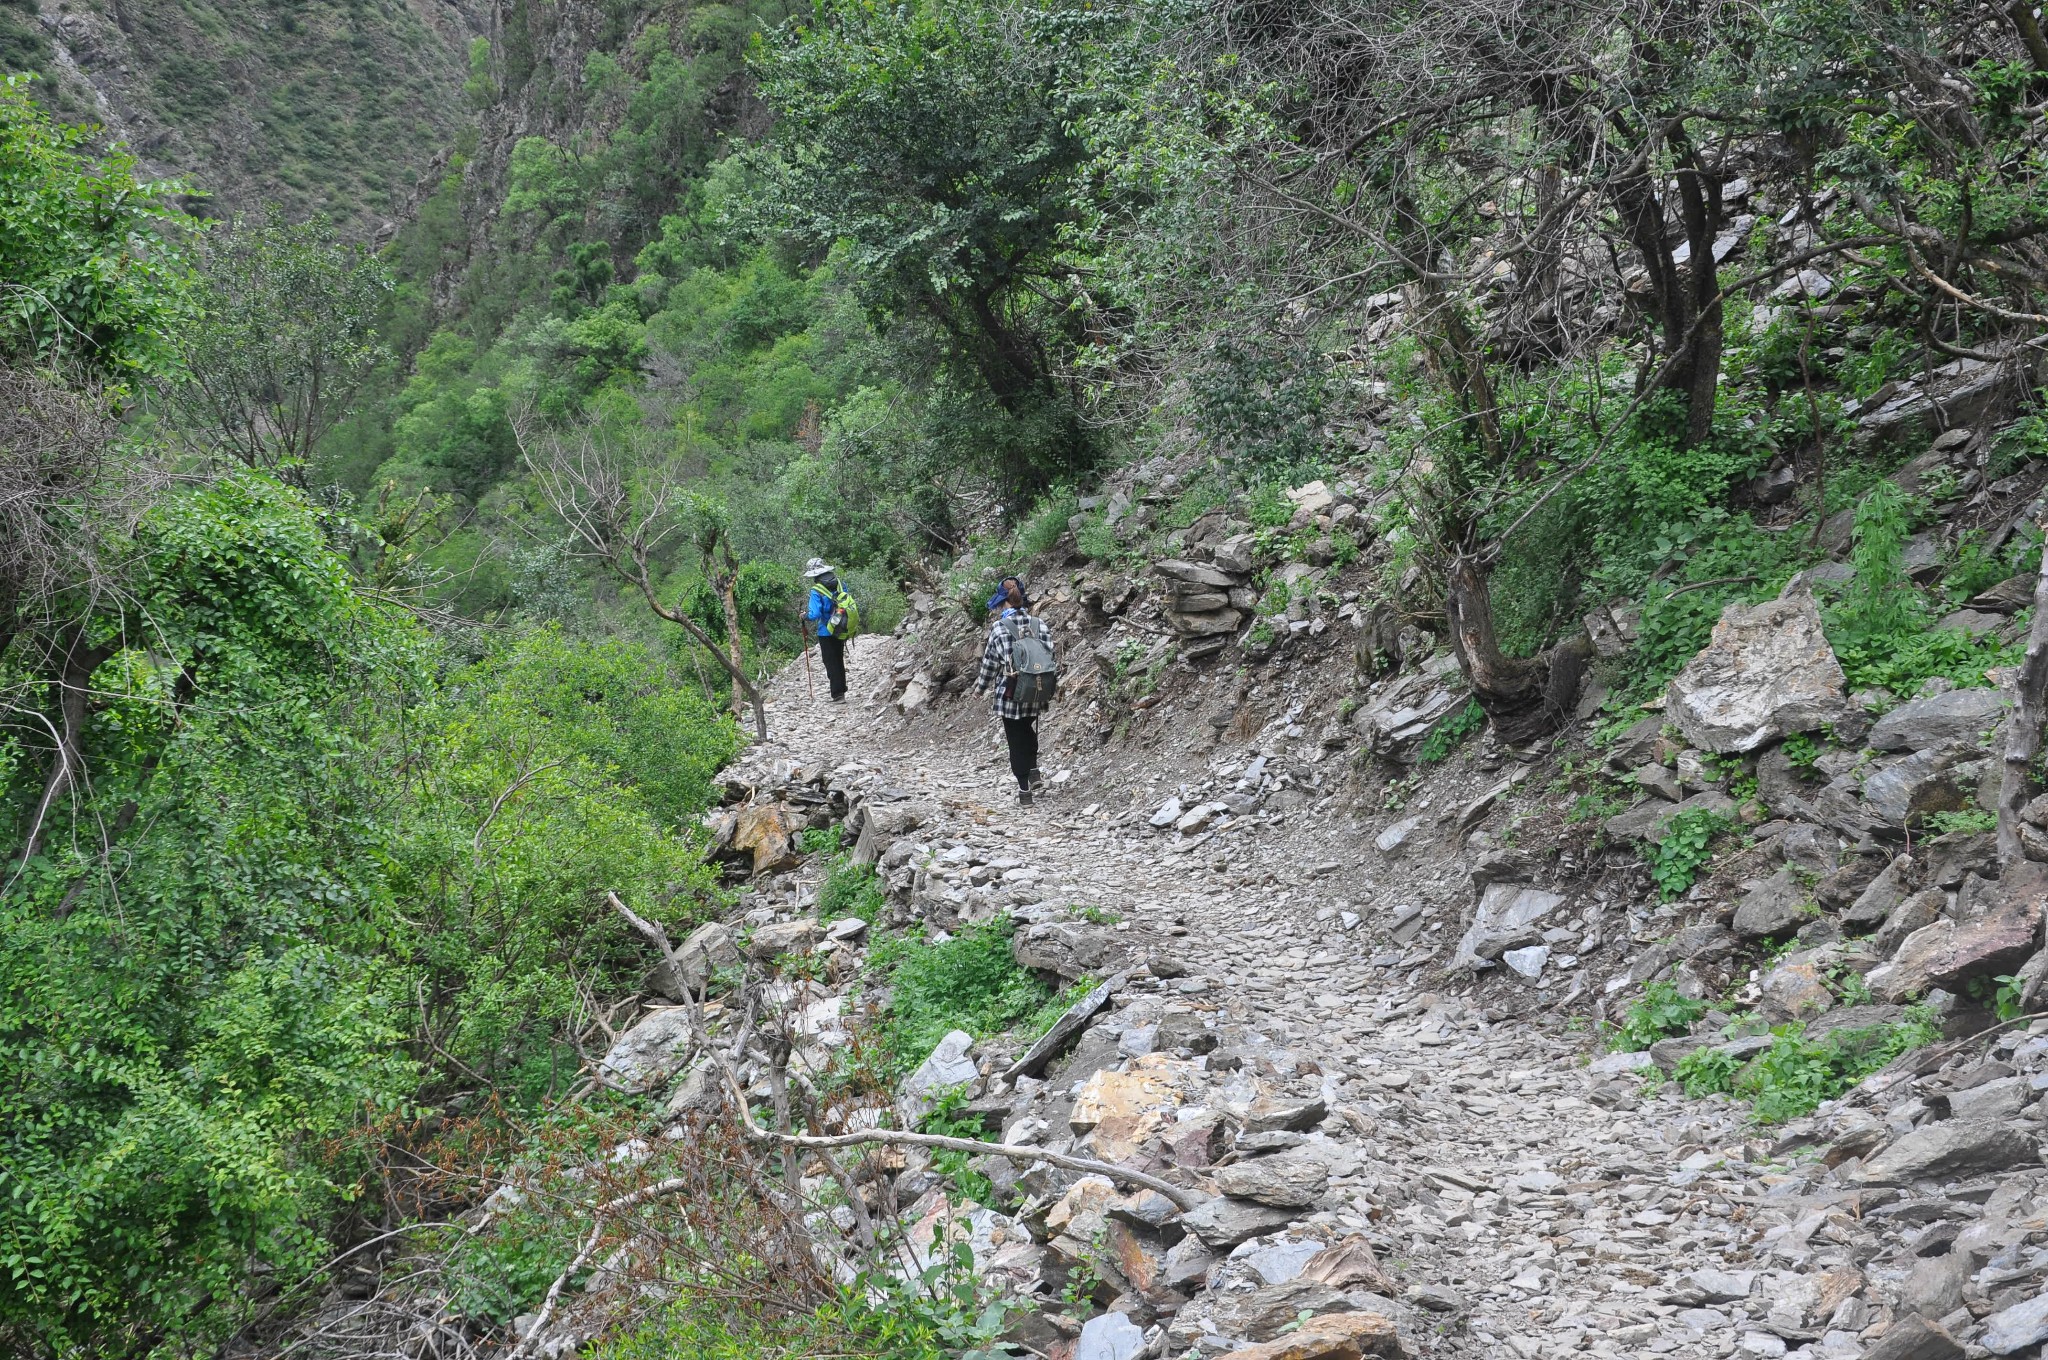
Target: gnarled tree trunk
1525,697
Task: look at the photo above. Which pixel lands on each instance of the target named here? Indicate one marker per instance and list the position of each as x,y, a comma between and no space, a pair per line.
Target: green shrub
2018,445
1973,820
969,983
1801,751
1660,1013
1879,628
945,1119
1041,532
1796,1074
1268,506
1687,846
1097,539
852,890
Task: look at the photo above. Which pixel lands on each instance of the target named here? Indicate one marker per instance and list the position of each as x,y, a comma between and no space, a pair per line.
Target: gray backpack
1034,675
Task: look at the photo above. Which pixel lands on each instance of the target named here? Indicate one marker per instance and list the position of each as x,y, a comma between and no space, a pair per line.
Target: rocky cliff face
318,106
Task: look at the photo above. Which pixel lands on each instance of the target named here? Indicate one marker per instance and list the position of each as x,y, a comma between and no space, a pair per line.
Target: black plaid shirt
995,664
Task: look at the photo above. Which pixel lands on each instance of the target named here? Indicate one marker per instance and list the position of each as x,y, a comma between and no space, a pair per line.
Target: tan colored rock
782,937
768,832
1151,1085
1795,991
1337,1336
1283,1182
1766,672
1350,1264
1077,1222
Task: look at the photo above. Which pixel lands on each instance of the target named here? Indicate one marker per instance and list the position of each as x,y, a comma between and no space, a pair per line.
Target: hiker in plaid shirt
1020,720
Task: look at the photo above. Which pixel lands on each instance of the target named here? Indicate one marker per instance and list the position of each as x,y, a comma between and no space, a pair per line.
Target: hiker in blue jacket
1012,608
818,610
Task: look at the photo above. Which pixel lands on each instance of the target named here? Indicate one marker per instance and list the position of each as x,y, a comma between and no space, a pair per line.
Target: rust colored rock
1199,1144
1137,1256
1337,1336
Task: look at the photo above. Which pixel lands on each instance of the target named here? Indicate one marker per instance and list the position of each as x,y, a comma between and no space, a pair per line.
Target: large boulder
1509,917
1908,791
1273,1311
1333,1336
649,1053
1952,1148
1959,717
782,937
1766,673
710,947
1777,906
950,1065
1401,712
1065,949
1222,1223
1881,896
1283,1182
767,832
1949,954
1183,574
1055,1040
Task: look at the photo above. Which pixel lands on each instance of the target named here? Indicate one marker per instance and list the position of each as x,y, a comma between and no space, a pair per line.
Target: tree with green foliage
91,271
287,338
938,141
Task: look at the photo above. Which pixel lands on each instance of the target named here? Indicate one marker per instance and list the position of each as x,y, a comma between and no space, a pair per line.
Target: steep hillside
326,106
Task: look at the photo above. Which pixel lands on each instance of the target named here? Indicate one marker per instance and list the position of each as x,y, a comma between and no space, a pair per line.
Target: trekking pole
809,688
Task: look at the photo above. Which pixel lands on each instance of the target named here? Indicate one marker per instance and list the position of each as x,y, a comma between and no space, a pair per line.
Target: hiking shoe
1038,781
1023,797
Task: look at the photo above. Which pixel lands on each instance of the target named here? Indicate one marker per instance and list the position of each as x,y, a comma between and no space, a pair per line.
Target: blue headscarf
995,601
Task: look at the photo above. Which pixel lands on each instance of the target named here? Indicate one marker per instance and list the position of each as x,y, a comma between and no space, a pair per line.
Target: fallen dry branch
1015,1152
606,1212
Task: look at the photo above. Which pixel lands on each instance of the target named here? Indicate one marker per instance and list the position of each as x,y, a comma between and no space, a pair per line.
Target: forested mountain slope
1541,511
327,106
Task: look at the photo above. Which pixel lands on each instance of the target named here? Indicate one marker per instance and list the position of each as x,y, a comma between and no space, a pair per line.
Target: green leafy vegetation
1687,847
1450,733
1796,1074
969,983
1659,1013
1969,820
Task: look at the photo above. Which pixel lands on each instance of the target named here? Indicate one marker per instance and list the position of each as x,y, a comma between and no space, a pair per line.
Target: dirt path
1523,1218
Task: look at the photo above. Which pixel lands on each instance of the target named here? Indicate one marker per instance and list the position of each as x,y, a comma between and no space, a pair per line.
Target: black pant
832,651
1022,735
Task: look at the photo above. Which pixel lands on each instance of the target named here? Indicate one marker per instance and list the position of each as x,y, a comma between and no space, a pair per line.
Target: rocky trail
1483,1180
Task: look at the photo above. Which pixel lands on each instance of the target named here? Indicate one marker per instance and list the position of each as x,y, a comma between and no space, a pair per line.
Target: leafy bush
1796,1074
1687,846
86,249
1800,751
1097,539
851,889
1041,532
1660,1013
969,983
1972,820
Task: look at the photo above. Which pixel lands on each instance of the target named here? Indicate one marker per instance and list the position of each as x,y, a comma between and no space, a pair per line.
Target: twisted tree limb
1180,1198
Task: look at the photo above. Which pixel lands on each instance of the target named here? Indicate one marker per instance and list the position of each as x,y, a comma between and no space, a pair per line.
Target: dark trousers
1022,735
832,651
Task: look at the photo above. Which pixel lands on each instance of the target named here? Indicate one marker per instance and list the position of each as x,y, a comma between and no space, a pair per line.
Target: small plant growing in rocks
1661,1011
1687,846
